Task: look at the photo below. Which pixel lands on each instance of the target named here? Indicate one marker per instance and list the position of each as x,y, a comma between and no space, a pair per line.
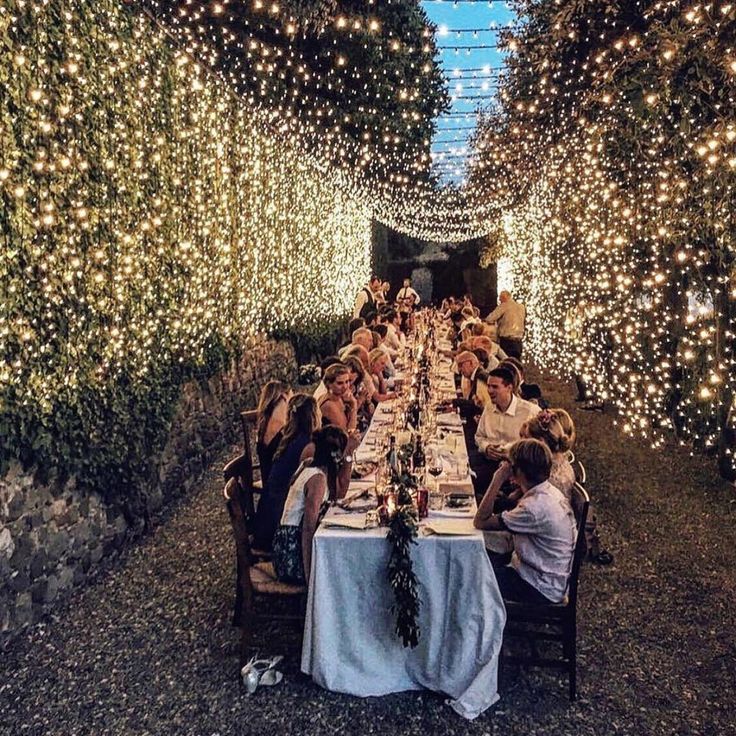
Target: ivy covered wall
150,222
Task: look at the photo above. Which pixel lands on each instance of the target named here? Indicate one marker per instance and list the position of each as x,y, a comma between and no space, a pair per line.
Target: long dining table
350,644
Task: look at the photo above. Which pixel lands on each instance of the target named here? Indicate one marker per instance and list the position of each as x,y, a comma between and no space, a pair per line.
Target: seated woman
338,405
302,420
542,525
377,360
546,428
362,392
323,479
271,419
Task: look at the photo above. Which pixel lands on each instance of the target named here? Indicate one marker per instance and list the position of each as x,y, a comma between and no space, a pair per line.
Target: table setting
402,594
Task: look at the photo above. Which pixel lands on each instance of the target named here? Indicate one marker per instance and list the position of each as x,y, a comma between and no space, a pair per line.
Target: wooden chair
556,622
255,580
580,474
248,421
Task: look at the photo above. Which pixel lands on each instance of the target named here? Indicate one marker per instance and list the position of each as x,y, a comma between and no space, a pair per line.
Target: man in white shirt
395,338
510,318
542,523
406,292
365,301
499,425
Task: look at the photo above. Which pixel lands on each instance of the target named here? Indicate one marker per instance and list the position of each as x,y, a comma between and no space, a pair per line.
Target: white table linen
350,643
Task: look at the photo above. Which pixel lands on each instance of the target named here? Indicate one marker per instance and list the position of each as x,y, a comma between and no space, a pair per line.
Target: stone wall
53,538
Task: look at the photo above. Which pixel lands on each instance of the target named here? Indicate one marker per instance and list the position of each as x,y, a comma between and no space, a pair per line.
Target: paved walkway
149,649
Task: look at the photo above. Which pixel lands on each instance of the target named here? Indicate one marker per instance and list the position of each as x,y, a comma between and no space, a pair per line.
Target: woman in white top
325,478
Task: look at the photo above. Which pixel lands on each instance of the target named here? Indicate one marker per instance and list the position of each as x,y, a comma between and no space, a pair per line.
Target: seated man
473,387
542,524
499,426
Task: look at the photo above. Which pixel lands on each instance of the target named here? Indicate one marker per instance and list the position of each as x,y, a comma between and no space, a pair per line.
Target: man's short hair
504,374
389,315
374,278
466,355
533,459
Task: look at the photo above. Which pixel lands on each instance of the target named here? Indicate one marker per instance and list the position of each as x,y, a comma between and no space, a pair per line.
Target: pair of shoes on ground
261,672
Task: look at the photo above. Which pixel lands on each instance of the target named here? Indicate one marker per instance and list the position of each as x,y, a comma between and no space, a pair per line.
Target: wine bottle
418,458
392,458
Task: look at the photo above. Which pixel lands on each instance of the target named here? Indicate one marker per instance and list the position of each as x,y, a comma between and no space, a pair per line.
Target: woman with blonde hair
377,360
272,414
338,405
547,428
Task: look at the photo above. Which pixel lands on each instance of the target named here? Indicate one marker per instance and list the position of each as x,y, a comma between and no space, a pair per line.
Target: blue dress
273,498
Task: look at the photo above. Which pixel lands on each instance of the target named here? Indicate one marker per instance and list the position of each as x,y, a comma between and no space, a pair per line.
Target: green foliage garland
402,534
152,227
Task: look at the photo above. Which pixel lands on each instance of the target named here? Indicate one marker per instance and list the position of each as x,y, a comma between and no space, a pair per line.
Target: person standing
509,317
406,292
365,301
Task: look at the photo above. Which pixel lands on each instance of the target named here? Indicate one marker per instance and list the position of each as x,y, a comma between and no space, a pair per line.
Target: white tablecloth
350,642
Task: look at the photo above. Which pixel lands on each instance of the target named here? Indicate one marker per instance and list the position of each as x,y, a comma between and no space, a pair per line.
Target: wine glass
434,467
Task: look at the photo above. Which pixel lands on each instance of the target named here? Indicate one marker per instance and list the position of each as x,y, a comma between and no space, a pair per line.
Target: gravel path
149,650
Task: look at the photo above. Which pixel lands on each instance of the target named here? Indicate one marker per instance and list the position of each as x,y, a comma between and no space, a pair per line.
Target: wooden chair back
248,420
580,502
239,523
580,475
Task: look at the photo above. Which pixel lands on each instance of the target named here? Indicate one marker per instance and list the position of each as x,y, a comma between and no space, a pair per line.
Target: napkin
449,527
353,521
449,419
464,487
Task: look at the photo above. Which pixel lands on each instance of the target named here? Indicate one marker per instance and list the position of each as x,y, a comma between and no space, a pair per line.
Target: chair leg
245,637
238,609
572,656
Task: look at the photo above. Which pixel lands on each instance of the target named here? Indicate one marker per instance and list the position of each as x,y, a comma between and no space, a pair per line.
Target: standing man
509,316
365,302
406,292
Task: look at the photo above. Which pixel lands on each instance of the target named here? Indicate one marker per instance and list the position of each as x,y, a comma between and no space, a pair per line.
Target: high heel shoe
261,672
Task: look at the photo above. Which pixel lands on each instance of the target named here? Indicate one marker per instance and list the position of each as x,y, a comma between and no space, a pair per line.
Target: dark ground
149,650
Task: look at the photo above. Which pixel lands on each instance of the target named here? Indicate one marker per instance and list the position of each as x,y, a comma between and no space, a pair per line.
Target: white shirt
297,498
544,530
405,292
510,317
395,338
501,428
320,391
360,301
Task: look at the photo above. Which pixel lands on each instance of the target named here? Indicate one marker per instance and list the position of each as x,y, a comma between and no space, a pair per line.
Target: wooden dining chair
553,622
248,420
580,475
254,580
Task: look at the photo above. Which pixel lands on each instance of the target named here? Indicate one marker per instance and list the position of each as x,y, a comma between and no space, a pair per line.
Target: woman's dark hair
516,363
329,448
328,361
355,324
382,330
390,315
302,419
356,366
533,459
